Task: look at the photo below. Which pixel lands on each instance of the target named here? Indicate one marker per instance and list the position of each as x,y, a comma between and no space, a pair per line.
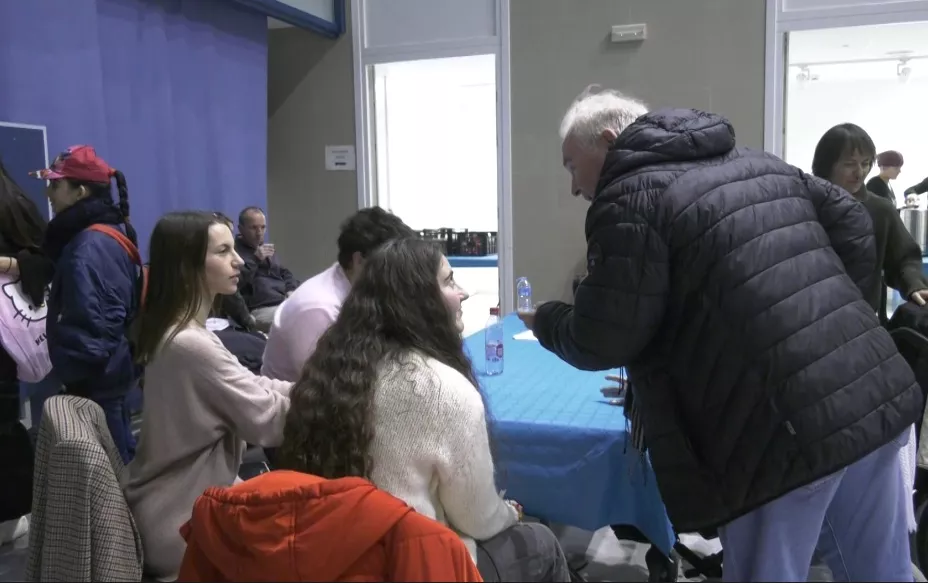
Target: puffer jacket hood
288,526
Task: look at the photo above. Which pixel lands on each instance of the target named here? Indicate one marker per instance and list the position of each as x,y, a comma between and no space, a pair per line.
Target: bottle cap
494,311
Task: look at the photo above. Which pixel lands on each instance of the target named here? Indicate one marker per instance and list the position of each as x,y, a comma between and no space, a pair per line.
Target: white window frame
497,45
781,20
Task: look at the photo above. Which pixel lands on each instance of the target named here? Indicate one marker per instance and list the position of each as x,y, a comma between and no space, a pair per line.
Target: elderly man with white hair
769,398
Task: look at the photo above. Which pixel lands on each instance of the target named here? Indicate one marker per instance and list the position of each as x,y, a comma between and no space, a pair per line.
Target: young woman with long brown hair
201,405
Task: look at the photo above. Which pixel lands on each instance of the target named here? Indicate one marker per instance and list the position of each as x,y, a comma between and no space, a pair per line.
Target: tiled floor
13,560
610,559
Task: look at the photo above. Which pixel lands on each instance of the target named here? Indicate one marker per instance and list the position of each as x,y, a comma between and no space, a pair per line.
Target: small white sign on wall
339,158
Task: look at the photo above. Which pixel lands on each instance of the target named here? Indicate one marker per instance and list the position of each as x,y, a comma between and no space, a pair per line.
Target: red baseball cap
79,163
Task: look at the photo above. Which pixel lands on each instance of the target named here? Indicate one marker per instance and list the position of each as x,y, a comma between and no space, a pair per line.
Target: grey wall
707,54
310,105
700,53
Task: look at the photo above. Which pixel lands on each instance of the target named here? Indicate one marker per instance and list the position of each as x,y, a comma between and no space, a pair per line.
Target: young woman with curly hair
389,395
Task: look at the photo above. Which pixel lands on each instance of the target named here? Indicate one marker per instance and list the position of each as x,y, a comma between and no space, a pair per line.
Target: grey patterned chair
81,528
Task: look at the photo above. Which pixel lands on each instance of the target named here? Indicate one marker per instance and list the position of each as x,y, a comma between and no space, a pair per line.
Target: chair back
81,528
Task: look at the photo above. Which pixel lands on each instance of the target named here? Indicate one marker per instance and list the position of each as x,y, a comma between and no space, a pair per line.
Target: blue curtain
171,92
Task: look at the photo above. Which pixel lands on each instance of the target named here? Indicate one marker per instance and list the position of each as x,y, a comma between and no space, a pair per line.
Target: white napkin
526,335
217,324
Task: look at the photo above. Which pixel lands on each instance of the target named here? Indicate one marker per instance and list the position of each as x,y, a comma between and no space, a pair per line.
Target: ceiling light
805,75
903,70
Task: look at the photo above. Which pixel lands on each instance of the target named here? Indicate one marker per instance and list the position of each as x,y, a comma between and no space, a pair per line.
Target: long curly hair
394,308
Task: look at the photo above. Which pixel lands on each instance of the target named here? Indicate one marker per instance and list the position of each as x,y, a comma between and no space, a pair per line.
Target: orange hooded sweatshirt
288,526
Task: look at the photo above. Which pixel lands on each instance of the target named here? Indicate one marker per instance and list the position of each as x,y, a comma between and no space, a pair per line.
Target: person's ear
82,192
608,136
357,260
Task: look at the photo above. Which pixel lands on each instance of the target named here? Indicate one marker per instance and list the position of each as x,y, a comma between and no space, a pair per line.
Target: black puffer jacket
725,280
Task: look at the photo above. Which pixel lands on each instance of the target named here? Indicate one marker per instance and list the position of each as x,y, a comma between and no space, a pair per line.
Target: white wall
869,95
436,144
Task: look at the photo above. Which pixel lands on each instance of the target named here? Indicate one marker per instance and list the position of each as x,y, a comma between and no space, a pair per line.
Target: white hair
596,110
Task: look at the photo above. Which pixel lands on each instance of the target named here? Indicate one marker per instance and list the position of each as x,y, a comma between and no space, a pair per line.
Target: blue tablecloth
561,447
457,261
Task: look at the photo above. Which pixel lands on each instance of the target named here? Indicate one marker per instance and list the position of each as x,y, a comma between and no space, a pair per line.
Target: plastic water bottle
494,343
524,295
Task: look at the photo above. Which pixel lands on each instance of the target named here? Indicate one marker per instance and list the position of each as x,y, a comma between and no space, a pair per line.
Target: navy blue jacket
93,299
263,283
729,283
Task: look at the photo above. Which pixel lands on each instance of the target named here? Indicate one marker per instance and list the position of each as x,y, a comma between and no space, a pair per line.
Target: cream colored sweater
201,406
430,449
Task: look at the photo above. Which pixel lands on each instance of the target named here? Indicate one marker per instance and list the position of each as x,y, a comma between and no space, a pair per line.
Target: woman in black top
890,163
22,228
844,156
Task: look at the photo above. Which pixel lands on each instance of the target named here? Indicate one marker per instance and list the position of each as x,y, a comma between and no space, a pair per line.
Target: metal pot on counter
916,221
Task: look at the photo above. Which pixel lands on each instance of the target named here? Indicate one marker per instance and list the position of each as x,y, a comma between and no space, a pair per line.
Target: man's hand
290,293
617,389
264,251
528,318
920,297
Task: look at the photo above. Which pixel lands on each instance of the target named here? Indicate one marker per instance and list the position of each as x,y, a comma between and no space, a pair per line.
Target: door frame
366,164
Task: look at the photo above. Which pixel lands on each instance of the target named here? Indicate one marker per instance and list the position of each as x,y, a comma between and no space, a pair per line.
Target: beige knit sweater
201,406
431,450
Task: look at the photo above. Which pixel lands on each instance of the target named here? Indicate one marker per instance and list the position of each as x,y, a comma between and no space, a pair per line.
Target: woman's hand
9,266
518,508
920,297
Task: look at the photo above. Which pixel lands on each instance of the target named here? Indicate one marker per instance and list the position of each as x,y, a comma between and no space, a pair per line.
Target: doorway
435,160
874,76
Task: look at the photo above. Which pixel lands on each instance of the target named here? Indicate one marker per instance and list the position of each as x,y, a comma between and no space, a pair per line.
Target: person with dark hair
890,163
96,288
844,156
315,305
201,405
265,282
25,273
769,400
410,417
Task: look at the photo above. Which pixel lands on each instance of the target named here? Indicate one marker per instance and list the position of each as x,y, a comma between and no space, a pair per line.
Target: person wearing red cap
95,290
890,163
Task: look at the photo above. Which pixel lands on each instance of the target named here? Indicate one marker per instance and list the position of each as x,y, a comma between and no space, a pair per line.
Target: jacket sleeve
849,228
290,282
91,326
920,188
466,479
620,304
903,264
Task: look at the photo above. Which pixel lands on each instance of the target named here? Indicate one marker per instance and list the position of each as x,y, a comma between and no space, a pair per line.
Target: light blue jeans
855,517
